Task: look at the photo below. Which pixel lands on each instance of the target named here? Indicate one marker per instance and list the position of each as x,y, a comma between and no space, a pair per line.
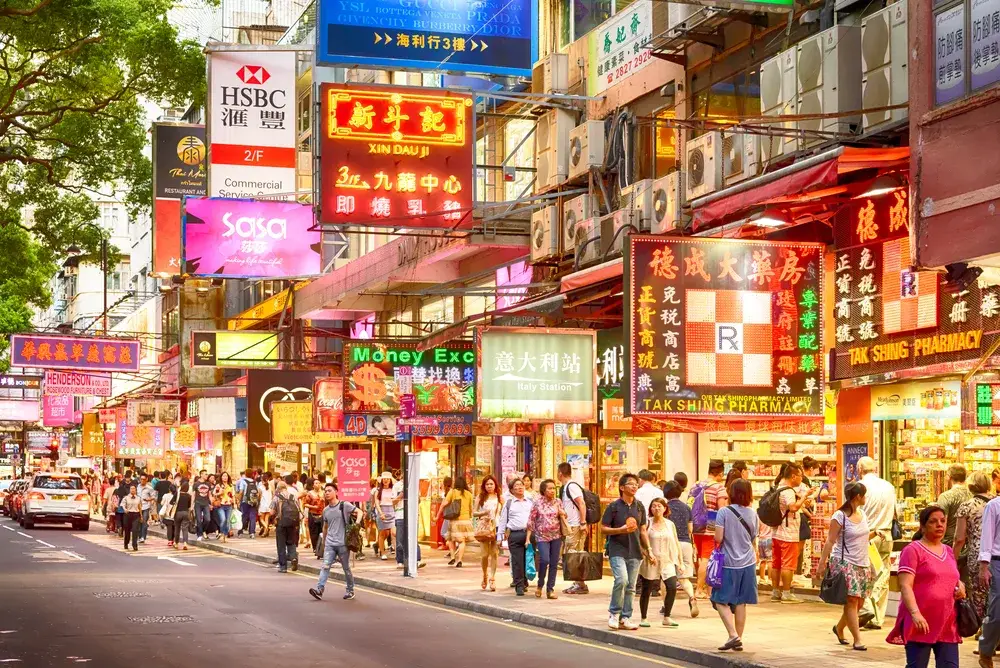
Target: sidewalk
777,635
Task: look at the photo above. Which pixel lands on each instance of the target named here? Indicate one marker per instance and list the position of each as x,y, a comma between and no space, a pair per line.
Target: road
77,597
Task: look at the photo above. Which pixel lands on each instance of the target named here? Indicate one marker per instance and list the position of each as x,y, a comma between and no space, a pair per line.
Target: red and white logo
253,74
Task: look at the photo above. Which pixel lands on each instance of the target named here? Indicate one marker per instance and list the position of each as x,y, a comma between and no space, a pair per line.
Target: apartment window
477,304
666,143
513,133
578,17
113,281
436,314
728,101
303,113
966,48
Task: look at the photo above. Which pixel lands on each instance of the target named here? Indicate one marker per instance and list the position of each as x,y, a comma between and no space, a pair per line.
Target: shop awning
591,275
797,182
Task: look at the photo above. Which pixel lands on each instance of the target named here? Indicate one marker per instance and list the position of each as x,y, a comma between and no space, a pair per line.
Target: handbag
565,530
582,566
352,533
453,510
896,529
713,572
967,620
529,562
833,588
486,530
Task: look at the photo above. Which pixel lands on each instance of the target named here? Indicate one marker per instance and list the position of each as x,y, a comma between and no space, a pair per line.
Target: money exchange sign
724,328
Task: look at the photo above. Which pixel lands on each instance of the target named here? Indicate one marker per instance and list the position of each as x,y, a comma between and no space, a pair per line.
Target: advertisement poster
615,47
949,56
370,425
217,413
238,238
354,468
153,413
291,422
328,405
74,382
393,154
537,374
234,349
143,442
852,453
57,410
70,352
985,43
184,438
92,438
265,386
19,411
907,401
490,37
178,171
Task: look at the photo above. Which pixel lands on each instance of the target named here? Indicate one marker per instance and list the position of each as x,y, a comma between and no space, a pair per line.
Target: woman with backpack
287,517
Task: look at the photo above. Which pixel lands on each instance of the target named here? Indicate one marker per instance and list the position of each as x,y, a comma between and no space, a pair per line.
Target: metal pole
104,272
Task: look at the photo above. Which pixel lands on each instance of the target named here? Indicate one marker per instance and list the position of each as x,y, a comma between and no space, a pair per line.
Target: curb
625,641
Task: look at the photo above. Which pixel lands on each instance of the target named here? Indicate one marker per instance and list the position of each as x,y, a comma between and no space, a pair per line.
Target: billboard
265,386
57,410
92,440
143,442
537,374
241,238
354,468
239,349
491,37
70,352
178,172
328,404
396,156
153,412
722,328
291,422
12,381
217,414
251,124
81,384
378,373
19,411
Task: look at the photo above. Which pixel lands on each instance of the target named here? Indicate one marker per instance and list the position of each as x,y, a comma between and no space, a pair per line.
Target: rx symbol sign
728,338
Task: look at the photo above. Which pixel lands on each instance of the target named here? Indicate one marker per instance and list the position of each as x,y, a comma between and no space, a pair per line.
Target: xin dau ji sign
395,155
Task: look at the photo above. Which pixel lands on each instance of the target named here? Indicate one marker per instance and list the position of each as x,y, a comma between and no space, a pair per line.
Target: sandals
840,638
733,643
859,648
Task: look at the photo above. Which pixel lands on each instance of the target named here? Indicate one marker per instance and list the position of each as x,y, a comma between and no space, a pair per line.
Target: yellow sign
291,422
268,308
93,436
183,437
614,415
936,344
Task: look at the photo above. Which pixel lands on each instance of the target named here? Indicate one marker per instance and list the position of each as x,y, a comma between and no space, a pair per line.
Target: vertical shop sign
178,172
57,410
354,469
985,43
949,54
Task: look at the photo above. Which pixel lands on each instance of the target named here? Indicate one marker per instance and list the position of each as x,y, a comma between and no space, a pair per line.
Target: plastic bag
236,520
713,573
529,562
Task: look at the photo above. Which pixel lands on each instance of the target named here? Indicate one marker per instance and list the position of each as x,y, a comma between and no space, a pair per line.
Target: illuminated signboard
987,405
292,422
724,328
70,352
377,374
19,382
178,171
396,156
889,318
491,37
240,349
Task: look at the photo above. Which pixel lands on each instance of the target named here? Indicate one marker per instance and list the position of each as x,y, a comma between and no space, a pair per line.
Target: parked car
13,500
54,498
4,486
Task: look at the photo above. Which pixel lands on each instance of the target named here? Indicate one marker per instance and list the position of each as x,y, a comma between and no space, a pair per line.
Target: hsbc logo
253,74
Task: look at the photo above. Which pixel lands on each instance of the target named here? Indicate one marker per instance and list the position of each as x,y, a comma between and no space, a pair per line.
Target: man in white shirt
576,516
989,572
147,499
879,509
648,490
514,527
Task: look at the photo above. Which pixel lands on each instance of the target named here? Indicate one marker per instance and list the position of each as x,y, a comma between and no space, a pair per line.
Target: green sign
987,405
234,349
537,374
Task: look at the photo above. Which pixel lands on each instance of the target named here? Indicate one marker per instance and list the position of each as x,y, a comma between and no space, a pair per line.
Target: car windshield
4,484
53,482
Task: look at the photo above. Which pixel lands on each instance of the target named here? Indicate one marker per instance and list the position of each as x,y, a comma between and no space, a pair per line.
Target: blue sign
241,412
481,36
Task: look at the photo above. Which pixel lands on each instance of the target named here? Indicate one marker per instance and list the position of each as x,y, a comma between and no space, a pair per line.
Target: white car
56,498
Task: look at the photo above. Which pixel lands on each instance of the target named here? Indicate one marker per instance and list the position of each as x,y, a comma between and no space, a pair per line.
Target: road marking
26,535
175,560
7,527
44,543
74,555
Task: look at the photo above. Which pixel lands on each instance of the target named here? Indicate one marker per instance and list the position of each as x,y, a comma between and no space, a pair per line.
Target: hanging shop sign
370,425
217,413
615,47
396,154
328,404
154,413
10,381
907,401
613,415
455,426
234,349
724,328
251,124
489,38
984,46
537,374
377,374
107,415
292,422
987,404
81,384
39,441
610,374
852,454
240,238
71,352
19,411
354,468
178,172
143,442
92,438
265,386
889,318
184,438
57,410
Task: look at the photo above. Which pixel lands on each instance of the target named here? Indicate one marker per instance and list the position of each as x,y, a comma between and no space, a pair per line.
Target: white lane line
26,535
74,555
176,561
44,543
7,527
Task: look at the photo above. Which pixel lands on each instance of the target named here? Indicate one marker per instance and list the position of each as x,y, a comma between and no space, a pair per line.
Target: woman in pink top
930,585
544,525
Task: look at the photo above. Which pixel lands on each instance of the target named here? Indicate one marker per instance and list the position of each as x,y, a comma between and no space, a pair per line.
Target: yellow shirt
466,499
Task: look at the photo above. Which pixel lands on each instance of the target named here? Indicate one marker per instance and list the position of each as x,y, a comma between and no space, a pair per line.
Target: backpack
288,515
700,519
769,509
591,502
251,495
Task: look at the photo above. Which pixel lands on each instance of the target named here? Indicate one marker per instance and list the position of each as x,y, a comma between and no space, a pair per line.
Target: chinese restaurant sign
377,374
81,384
724,328
889,318
537,374
616,47
68,352
239,349
238,238
291,422
490,37
178,171
392,155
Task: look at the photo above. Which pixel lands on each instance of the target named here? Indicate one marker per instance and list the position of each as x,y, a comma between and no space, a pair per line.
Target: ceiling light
884,184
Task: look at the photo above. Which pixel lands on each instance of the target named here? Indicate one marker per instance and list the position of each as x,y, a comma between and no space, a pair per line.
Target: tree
72,77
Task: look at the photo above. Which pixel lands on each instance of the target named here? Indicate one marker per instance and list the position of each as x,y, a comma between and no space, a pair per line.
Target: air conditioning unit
667,198
778,97
551,75
586,147
827,69
575,210
883,65
613,242
740,156
703,164
639,197
545,234
552,148
585,253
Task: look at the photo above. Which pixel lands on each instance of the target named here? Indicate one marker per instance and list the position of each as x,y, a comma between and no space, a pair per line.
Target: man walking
131,507
513,526
951,499
147,502
785,545
576,517
249,498
624,523
989,572
285,510
879,509
202,506
335,523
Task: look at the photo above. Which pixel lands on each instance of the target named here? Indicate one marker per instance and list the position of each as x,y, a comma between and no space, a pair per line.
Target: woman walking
182,516
544,523
264,510
167,508
487,513
680,517
968,531
735,535
132,508
223,498
460,530
385,513
847,544
929,586
666,562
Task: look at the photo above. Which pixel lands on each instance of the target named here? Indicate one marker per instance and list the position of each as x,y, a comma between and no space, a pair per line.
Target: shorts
765,548
739,586
687,559
704,543
785,555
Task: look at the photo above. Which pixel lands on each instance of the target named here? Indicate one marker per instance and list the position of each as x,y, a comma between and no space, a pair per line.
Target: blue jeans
222,516
548,560
625,571
401,542
343,555
249,518
144,527
918,654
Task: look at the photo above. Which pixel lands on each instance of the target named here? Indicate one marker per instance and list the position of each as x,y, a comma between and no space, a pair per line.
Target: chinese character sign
442,379
984,42
57,410
19,382
537,374
69,352
949,54
354,469
396,157
179,154
291,422
615,47
143,442
724,328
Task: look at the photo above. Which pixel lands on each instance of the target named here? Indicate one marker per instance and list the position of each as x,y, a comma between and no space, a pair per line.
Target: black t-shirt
162,487
202,491
183,503
615,515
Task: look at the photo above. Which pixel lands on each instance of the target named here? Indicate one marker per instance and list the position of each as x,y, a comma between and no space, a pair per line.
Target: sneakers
295,564
142,540
576,590
399,567
613,622
669,623
790,598
348,596
421,564
630,624
170,543
316,594
775,596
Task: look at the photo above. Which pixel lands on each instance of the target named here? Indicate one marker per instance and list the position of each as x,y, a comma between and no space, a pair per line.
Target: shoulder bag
833,588
453,510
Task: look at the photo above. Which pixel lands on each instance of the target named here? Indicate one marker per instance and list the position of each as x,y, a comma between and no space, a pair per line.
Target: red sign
328,404
354,469
71,352
107,415
396,156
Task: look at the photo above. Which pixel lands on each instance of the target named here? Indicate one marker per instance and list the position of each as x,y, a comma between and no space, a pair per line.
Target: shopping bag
529,562
875,559
583,566
713,573
833,588
236,520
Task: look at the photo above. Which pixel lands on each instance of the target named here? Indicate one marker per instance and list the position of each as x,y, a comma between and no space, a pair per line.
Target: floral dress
977,590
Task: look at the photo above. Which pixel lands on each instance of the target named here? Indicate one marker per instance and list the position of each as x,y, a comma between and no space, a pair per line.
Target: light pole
104,274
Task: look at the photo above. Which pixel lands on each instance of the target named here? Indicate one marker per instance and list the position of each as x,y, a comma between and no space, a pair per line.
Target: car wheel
82,526
28,524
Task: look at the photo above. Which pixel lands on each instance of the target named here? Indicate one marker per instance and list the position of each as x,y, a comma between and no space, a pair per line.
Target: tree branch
10,11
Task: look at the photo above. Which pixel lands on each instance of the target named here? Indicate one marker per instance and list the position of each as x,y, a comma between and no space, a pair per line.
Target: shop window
513,133
578,17
728,101
966,48
481,195
665,143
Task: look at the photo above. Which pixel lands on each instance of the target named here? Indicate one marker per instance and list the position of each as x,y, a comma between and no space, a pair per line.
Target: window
113,281
578,17
666,144
478,304
56,482
966,48
524,156
436,314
